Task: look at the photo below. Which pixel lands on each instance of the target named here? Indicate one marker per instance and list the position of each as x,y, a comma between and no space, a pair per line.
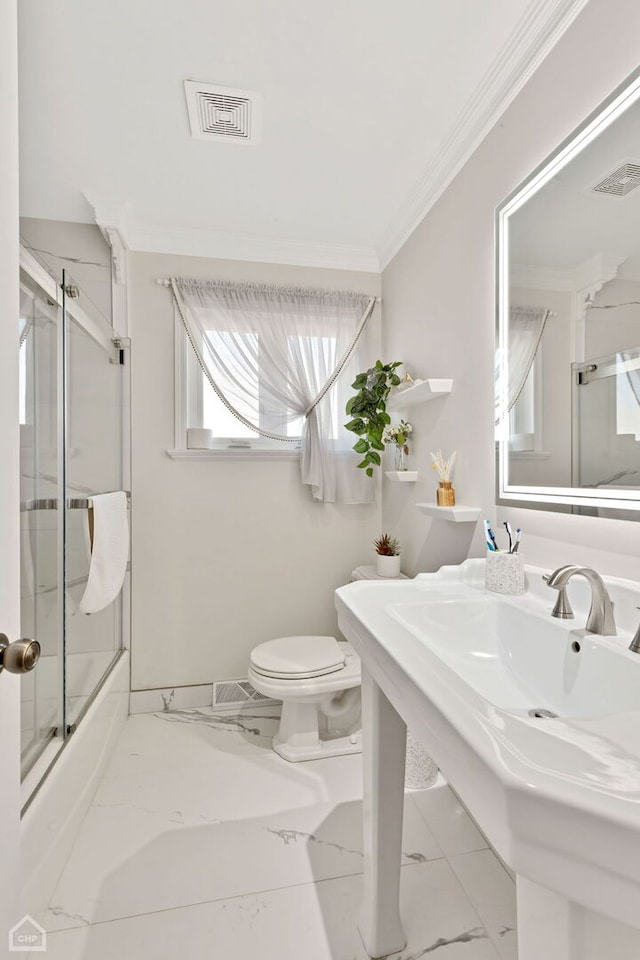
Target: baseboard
164,699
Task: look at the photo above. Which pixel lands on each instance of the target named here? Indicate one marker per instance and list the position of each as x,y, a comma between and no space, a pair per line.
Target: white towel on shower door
110,551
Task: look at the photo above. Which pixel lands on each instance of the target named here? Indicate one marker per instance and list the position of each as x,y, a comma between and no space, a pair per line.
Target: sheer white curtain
526,327
281,360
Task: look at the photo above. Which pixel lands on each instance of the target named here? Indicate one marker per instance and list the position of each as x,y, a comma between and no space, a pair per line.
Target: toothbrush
491,536
507,527
517,542
487,529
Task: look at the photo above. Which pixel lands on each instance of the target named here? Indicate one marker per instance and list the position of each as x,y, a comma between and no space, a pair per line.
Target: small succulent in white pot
388,556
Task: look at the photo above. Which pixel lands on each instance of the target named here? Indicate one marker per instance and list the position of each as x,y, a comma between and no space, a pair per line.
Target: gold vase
445,494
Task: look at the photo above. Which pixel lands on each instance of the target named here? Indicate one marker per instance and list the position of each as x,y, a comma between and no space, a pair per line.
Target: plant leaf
356,426
368,411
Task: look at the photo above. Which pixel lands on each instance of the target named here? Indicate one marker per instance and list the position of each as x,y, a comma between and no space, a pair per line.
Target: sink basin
559,797
521,660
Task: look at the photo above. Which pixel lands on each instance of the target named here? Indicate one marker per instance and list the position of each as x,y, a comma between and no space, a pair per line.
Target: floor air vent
222,113
624,179
235,692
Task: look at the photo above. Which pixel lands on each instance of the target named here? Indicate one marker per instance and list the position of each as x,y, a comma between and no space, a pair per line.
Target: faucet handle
562,609
634,646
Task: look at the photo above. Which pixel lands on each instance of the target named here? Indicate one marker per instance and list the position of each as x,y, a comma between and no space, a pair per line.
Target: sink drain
542,713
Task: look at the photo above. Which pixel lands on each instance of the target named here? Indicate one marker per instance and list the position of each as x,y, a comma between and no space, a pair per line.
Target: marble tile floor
203,843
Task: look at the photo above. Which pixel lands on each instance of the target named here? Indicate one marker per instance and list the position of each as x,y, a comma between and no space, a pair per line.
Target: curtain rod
166,282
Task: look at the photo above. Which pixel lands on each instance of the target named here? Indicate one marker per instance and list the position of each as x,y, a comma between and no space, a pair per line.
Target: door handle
20,656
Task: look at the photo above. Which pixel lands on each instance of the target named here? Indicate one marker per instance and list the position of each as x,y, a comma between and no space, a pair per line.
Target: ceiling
369,109
565,223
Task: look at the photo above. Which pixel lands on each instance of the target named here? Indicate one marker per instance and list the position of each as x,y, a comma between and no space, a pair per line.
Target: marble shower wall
78,248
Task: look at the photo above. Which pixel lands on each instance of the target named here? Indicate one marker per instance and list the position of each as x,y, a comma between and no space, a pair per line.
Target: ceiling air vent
222,113
624,179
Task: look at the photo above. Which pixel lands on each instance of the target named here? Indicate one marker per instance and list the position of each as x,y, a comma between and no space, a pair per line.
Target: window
209,410
200,406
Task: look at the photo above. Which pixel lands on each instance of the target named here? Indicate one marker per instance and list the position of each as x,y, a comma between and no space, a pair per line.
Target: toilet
318,681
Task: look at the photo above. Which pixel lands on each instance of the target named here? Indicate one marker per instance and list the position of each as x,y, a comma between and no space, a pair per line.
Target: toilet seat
298,658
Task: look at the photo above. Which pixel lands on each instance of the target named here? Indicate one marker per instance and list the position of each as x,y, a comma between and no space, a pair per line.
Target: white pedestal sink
559,797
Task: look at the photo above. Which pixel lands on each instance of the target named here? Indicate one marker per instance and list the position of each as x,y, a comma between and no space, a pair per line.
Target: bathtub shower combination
73,409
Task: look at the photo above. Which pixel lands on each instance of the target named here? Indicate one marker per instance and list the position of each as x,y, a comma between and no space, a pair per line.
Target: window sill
241,453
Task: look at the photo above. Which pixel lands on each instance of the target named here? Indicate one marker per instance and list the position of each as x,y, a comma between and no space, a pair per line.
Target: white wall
439,308
225,555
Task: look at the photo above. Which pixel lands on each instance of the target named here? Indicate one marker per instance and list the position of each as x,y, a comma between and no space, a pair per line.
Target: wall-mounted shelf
402,476
419,393
457,514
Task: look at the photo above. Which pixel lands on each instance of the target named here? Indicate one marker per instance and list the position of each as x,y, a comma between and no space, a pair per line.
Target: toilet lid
298,658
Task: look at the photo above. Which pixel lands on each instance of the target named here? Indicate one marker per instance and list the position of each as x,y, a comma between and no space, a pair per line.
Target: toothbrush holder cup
504,573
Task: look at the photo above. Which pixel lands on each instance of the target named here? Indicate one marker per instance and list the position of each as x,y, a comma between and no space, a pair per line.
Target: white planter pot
387,566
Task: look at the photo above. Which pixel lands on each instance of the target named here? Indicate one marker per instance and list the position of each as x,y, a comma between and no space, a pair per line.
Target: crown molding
115,219
596,271
542,278
592,274
112,220
536,33
223,245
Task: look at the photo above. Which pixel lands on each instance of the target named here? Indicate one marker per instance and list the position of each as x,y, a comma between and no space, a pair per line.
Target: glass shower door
607,422
72,423
94,378
41,560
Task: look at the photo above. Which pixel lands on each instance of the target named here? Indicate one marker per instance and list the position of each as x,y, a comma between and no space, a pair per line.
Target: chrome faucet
600,619
634,646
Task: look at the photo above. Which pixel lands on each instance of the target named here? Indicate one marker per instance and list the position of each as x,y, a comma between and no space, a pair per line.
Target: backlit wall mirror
568,330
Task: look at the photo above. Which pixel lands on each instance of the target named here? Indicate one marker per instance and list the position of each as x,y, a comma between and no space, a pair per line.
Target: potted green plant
398,435
368,410
388,556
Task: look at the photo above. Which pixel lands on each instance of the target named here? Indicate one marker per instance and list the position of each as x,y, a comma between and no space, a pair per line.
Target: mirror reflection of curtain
526,328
